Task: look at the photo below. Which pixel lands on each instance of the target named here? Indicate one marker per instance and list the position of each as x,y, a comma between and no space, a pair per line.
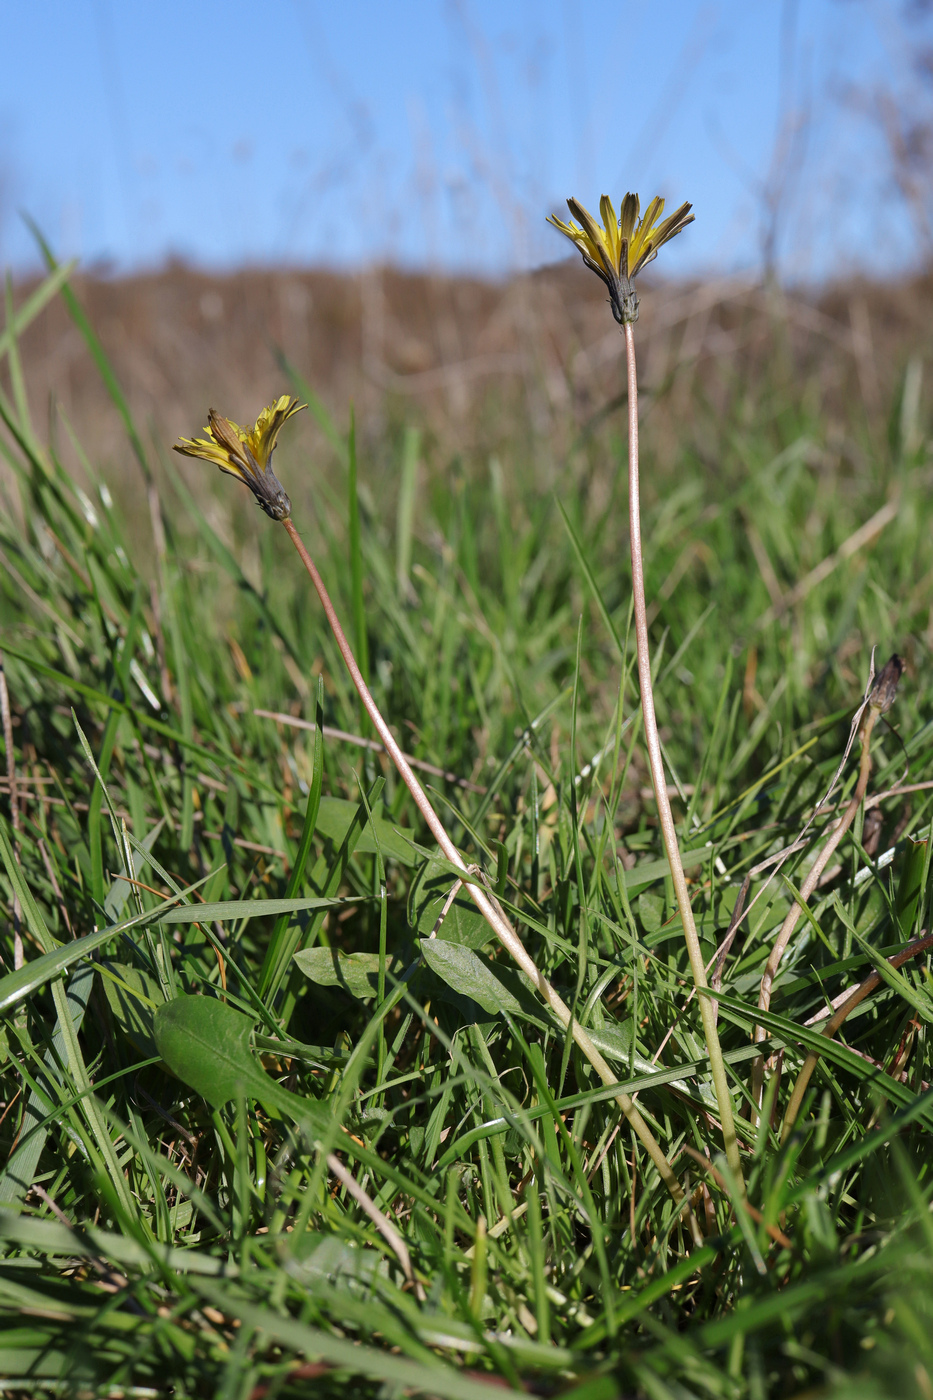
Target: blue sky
435,132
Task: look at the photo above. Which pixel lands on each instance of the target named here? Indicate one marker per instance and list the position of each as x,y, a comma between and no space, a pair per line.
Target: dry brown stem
880,698
864,989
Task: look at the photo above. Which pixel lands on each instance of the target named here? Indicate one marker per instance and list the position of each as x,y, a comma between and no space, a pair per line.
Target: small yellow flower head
623,246
246,453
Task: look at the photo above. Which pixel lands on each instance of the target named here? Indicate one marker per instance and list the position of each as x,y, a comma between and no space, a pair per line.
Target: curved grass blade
277,954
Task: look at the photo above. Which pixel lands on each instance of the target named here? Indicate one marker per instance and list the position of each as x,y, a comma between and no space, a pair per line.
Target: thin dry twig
777,1235
879,698
372,744
788,851
852,1000
381,1221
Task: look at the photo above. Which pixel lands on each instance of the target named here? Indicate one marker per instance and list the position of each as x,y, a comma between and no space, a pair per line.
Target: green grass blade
356,568
277,955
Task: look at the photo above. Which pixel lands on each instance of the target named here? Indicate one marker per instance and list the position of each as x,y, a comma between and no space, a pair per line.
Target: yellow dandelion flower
623,246
246,453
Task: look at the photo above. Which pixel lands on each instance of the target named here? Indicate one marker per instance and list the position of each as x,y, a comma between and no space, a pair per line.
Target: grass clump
279,1113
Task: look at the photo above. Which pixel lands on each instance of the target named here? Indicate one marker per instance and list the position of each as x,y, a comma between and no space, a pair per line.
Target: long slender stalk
656,762
487,905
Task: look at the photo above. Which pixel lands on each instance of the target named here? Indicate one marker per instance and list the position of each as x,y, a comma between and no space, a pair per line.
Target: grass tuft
262,1133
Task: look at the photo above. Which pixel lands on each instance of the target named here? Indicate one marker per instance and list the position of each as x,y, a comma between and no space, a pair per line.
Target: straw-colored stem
487,906
806,889
659,782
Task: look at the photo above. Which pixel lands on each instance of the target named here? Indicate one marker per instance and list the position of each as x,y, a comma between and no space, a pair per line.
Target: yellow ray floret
622,246
246,453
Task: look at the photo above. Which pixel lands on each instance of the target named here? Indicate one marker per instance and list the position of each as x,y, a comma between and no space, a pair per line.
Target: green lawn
380,1167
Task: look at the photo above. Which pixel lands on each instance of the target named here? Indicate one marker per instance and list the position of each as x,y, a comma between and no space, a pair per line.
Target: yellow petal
628,217
261,441
673,225
652,214
207,451
611,224
570,229
595,238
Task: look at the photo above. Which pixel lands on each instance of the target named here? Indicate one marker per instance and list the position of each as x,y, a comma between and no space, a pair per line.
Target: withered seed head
884,691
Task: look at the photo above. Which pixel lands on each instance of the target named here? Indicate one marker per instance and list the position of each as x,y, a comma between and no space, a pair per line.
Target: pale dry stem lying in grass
848,1005
881,695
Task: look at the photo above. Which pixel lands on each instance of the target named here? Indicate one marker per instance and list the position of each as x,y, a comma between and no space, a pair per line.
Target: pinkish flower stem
659,782
487,906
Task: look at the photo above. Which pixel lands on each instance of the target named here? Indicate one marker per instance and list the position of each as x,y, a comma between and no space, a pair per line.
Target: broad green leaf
333,822
205,1044
615,1042
356,973
497,989
494,988
651,911
315,1257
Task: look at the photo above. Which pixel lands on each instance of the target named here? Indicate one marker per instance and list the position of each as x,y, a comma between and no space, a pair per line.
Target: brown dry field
528,367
